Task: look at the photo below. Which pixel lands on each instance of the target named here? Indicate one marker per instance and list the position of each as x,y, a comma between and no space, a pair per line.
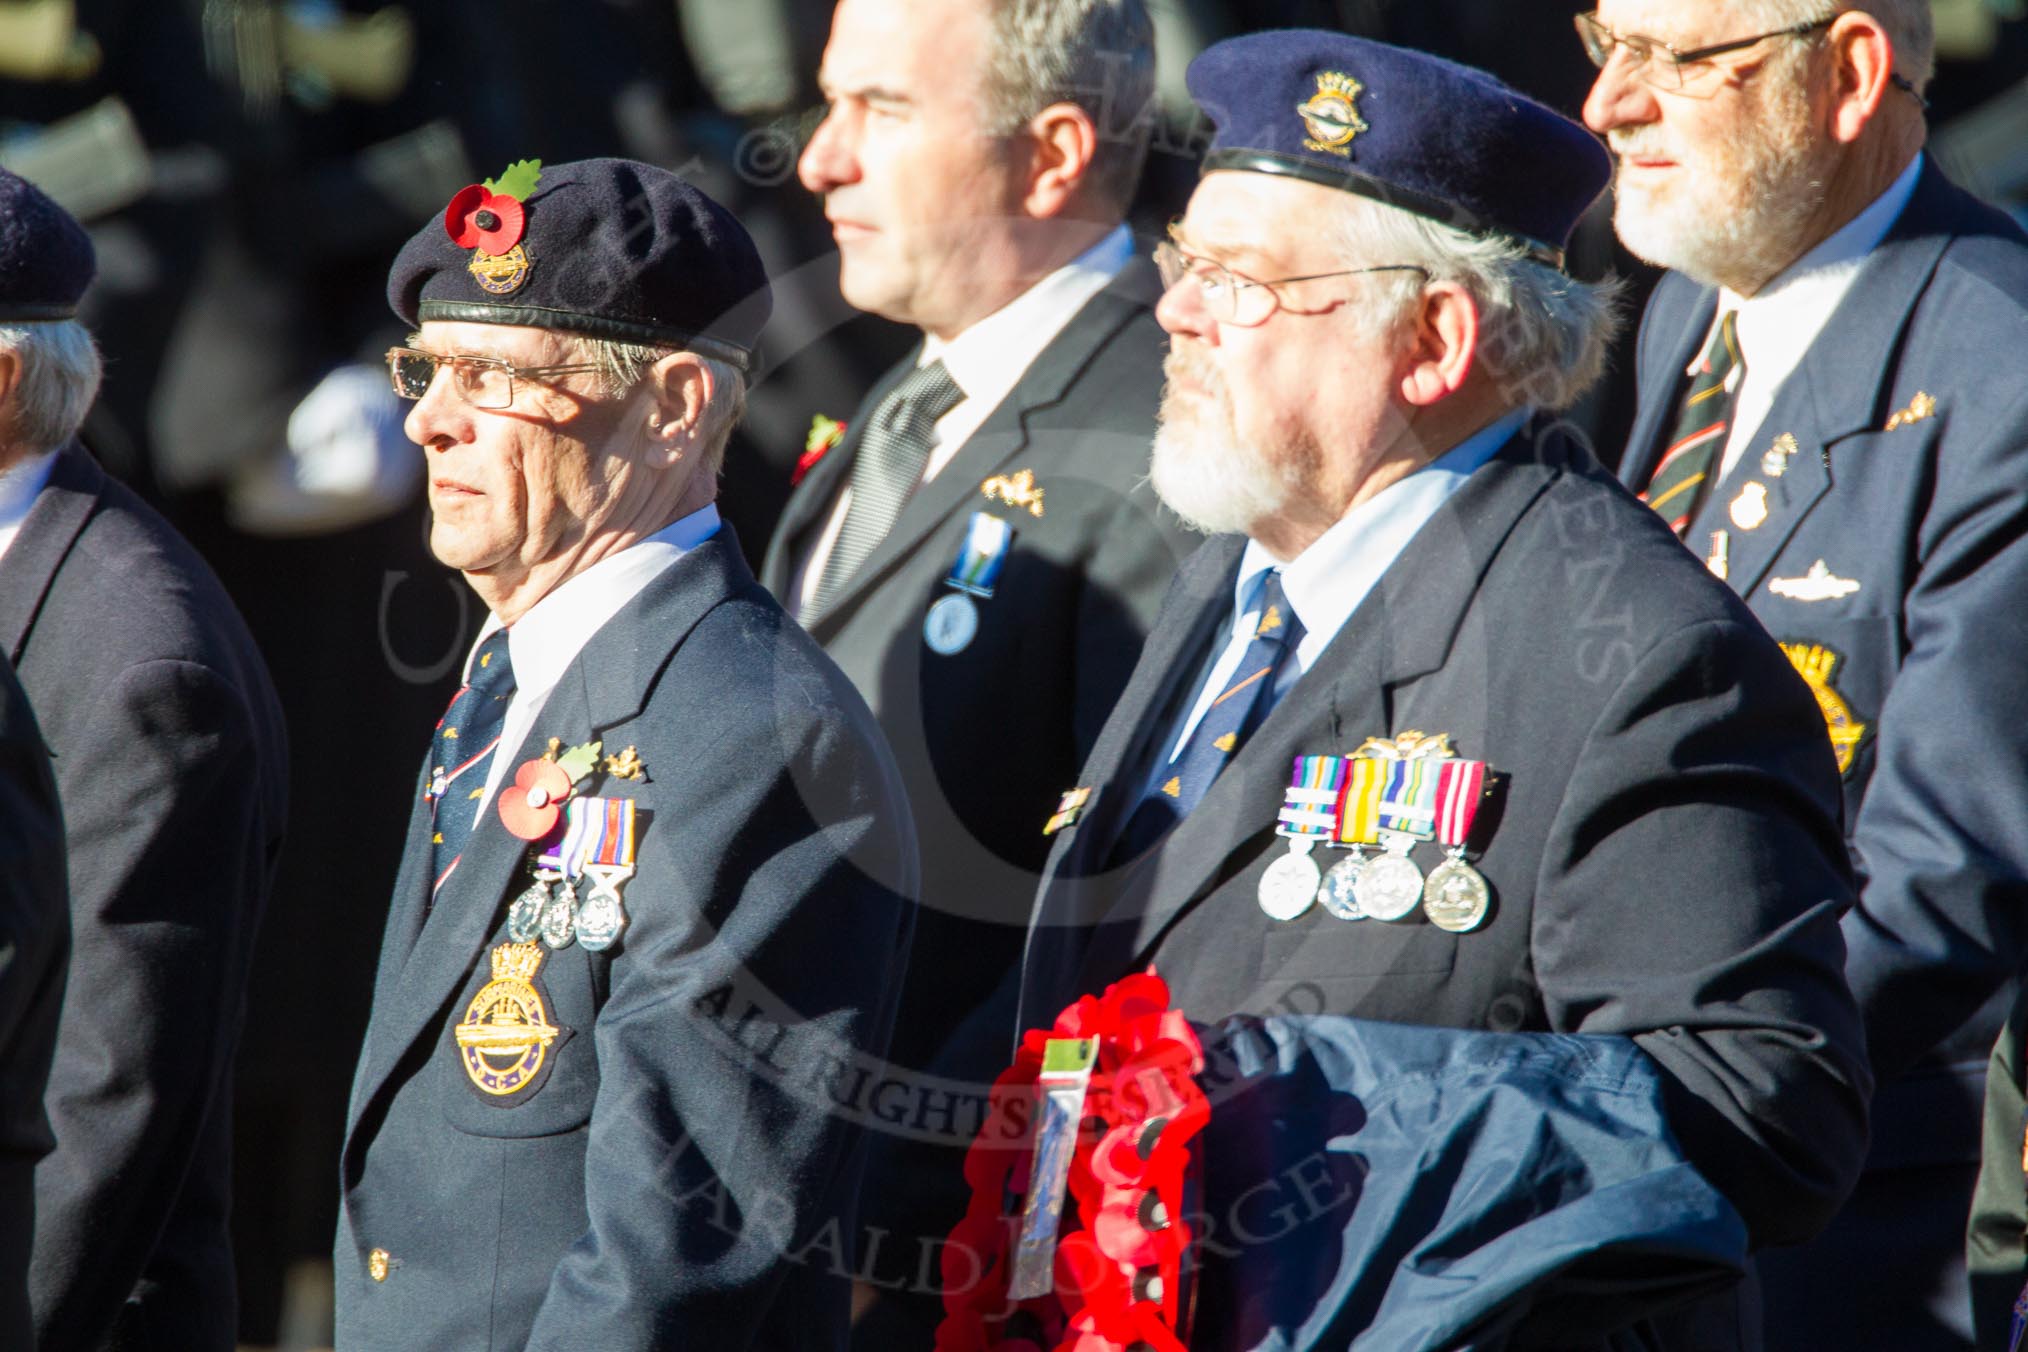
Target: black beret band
593,326
1365,185
36,314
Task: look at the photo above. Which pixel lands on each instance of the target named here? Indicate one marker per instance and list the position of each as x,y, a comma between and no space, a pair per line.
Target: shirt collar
22,483
546,640
1327,581
989,357
1780,321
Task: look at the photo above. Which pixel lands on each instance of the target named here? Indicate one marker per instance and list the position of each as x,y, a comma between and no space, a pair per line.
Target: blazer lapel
606,686
1001,438
30,564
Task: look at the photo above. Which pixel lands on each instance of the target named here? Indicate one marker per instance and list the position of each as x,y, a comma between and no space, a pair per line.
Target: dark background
284,153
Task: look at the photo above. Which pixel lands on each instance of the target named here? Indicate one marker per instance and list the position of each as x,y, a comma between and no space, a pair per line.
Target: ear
1063,141
1862,74
1445,326
678,389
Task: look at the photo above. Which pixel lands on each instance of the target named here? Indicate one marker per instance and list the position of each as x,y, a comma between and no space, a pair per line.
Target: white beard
1203,470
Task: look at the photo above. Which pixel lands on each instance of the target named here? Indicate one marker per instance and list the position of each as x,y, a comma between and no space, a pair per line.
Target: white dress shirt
20,485
1326,582
987,361
543,643
1779,322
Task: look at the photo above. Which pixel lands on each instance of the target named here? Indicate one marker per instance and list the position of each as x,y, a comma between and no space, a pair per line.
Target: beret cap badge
489,219
1331,115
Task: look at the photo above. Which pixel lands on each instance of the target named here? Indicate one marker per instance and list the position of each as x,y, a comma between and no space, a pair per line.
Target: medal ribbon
1408,804
1460,786
566,855
1359,801
615,843
983,554
1309,808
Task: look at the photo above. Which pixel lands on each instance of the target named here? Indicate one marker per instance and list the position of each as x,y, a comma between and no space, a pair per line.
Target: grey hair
1097,54
60,374
621,366
1909,24
1543,335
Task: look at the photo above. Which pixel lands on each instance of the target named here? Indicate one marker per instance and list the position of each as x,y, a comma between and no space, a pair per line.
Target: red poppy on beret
488,221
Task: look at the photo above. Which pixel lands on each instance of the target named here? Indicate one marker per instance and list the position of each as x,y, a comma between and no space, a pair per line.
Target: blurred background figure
247,169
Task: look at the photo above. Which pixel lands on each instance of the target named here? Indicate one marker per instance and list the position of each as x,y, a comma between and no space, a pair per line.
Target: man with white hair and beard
1817,422
1548,774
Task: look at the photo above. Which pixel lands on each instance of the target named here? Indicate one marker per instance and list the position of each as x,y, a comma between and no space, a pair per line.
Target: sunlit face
1288,417
515,489
919,197
1720,180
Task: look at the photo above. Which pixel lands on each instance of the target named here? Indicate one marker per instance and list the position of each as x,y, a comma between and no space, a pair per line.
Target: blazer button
377,1264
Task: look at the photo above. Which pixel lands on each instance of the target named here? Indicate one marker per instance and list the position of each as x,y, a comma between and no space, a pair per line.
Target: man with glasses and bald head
1817,422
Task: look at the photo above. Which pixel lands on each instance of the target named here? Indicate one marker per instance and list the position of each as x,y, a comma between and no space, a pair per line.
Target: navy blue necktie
1240,707
460,757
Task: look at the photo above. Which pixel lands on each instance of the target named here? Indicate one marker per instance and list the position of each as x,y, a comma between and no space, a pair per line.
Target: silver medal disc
951,625
599,921
524,916
1456,897
1289,885
1389,887
1338,894
559,919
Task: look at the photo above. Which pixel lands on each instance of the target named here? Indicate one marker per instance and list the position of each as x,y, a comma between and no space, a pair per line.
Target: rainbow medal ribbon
1358,826
1389,886
547,910
1456,896
953,622
1308,815
609,863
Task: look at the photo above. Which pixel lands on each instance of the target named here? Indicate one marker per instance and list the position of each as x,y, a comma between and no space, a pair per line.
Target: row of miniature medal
598,845
1352,802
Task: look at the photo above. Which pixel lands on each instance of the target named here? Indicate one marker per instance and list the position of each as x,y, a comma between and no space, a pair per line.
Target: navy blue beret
1427,135
46,259
608,248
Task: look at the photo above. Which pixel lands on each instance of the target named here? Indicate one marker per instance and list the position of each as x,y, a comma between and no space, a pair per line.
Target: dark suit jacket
684,1172
990,737
1663,850
171,759
34,936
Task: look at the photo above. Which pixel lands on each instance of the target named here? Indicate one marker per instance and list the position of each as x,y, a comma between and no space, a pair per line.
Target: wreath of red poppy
1119,1259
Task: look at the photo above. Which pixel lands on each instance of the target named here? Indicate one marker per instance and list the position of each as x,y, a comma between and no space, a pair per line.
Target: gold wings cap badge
1331,115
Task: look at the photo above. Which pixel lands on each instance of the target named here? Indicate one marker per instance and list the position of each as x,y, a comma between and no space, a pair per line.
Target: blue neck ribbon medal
1309,814
954,621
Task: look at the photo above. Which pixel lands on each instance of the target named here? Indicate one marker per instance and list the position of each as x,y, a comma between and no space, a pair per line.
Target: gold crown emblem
1813,661
1331,115
517,962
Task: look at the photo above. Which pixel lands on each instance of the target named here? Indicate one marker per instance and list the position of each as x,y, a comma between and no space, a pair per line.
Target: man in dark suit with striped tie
1857,479
1509,759
651,909
981,553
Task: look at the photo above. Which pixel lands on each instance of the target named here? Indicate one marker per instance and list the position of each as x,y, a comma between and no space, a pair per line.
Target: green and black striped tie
1683,478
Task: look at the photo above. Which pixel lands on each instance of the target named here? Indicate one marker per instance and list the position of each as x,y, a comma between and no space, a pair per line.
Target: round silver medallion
1338,893
524,917
599,921
1289,886
1389,887
951,624
1456,897
559,919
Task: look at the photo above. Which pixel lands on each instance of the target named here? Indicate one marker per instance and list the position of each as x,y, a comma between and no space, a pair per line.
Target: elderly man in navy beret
650,904
171,767
1442,727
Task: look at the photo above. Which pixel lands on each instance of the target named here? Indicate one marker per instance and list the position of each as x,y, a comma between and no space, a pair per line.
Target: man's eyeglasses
1657,64
483,382
1232,298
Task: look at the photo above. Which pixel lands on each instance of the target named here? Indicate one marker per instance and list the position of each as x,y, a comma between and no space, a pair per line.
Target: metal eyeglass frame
1173,263
463,384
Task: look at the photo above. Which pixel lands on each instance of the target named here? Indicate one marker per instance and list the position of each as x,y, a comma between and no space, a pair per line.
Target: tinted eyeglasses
483,382
1656,63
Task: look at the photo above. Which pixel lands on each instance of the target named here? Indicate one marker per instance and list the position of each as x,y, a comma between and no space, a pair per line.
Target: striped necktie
889,463
1683,478
462,754
1230,719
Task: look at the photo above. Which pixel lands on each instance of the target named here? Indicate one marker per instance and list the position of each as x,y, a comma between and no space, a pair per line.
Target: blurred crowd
248,168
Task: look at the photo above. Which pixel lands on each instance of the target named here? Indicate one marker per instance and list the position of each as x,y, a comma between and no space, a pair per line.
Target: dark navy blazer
680,1172
1662,848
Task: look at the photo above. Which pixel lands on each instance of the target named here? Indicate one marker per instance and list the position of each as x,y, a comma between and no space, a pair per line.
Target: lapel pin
1920,408
1818,584
1749,509
1774,462
1018,490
